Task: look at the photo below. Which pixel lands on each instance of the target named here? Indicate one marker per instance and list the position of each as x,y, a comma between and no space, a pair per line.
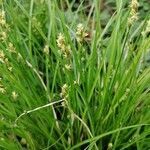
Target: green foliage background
107,103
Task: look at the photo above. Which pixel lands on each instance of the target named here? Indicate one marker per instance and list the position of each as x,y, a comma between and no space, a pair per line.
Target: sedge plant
69,83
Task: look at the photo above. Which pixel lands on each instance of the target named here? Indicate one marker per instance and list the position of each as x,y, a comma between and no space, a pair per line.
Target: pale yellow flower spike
2,18
68,67
80,33
11,48
64,48
61,41
14,95
46,49
2,90
2,57
64,91
134,12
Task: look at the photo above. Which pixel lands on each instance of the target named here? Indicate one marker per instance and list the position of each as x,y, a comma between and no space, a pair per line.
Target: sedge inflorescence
2,88
65,49
4,27
14,95
5,63
4,60
2,18
80,33
46,50
133,12
5,53
64,91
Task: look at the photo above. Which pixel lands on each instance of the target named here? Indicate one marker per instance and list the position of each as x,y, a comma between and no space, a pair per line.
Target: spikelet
2,56
68,67
2,18
64,91
2,89
3,26
14,95
11,48
65,49
80,33
46,50
134,12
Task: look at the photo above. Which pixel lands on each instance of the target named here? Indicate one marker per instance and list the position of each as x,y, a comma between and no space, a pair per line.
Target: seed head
2,90
23,141
134,4
80,33
11,48
2,18
110,145
14,95
64,48
134,12
68,67
3,36
64,91
2,56
46,49
61,41
10,68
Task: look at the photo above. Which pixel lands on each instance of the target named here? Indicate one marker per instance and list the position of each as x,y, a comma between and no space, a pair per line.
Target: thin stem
38,108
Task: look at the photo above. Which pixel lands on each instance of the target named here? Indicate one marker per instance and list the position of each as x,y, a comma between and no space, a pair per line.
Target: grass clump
70,84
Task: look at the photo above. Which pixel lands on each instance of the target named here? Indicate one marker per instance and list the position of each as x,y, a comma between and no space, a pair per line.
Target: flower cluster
2,88
3,26
68,67
134,11
14,95
64,48
2,18
46,50
2,57
110,146
80,33
4,60
11,48
64,91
